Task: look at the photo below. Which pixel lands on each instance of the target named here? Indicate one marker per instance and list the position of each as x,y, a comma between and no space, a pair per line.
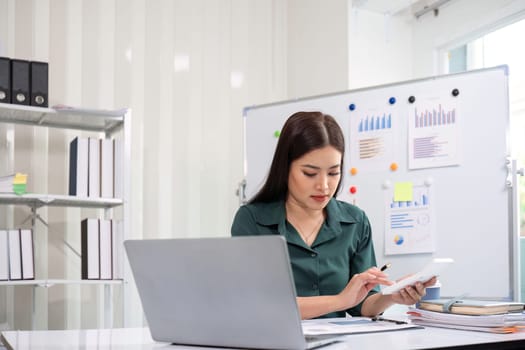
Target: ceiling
393,7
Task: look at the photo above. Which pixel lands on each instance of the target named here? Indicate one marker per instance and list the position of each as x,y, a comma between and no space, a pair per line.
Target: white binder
4,256
106,261
26,247
94,168
15,259
107,168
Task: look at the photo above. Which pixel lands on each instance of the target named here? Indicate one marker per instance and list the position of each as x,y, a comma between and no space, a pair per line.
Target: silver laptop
227,292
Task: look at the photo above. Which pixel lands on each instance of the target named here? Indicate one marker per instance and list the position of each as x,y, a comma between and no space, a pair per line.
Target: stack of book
95,167
14,183
470,314
16,255
20,183
101,249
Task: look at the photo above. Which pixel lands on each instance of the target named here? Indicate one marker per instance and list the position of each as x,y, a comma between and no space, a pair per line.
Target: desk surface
140,338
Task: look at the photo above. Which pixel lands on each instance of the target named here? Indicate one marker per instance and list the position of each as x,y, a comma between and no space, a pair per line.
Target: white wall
379,48
458,22
317,47
186,68
385,48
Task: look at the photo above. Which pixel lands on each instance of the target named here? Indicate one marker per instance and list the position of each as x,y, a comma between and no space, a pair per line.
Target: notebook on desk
228,292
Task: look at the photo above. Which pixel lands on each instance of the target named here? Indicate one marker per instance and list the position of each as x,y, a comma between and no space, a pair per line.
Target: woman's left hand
412,294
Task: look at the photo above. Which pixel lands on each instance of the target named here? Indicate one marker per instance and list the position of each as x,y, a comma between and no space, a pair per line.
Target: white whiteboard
472,211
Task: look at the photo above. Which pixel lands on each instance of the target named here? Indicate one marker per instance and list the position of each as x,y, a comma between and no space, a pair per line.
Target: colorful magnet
411,99
353,171
351,106
392,100
353,189
455,92
393,166
277,133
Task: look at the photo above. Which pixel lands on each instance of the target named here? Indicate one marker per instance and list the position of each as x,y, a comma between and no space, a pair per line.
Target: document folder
89,231
4,256
5,80
27,252
39,84
78,167
15,259
20,82
107,168
94,168
106,258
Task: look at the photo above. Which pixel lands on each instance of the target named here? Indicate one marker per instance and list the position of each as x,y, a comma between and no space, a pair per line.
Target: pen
379,318
385,266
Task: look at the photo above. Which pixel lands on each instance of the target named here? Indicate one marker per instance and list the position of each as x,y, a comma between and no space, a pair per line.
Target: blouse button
314,286
314,255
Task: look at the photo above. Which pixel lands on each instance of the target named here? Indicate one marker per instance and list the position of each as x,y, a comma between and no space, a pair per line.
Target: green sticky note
403,191
19,188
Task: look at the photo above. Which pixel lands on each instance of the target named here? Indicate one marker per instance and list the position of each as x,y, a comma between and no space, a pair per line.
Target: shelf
113,124
41,200
52,282
67,117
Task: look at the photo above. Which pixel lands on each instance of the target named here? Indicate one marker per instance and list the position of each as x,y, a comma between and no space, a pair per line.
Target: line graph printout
371,139
434,128
409,225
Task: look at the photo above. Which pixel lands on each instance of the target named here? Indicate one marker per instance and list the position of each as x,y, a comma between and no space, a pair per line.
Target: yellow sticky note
20,179
403,191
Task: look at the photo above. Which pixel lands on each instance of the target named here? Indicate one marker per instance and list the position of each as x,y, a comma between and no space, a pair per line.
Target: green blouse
342,248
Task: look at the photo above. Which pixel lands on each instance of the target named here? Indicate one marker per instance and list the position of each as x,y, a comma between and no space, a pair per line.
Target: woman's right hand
360,284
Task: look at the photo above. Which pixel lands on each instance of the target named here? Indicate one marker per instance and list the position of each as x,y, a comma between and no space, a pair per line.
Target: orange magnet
393,166
353,171
353,189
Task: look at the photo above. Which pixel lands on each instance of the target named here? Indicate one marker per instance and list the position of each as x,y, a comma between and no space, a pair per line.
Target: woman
329,241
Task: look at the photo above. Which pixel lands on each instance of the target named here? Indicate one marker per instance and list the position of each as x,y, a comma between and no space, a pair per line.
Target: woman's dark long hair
303,132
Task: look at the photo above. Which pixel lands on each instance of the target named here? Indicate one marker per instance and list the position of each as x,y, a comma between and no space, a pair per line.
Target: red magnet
353,189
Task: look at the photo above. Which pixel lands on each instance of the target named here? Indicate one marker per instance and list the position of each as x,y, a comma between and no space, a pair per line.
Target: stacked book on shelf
101,249
470,314
16,255
95,167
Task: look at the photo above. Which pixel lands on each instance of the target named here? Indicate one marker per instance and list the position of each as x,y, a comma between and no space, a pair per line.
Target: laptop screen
228,291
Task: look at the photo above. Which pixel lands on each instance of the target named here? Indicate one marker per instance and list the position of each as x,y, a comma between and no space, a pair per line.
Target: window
503,46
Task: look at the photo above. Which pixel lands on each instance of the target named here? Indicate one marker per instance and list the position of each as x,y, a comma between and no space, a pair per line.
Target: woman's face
314,177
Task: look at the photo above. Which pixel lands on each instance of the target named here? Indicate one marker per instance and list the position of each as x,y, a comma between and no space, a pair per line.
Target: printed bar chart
375,123
423,201
434,117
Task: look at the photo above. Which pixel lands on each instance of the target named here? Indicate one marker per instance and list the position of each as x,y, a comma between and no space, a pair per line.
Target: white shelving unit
92,120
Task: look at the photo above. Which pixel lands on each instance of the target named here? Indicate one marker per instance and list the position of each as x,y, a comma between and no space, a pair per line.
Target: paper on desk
503,323
501,320
352,325
500,330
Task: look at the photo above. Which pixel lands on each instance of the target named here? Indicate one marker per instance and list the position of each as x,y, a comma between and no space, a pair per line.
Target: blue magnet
351,106
392,100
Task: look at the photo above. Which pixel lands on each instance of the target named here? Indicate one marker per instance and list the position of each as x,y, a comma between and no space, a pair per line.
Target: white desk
140,338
